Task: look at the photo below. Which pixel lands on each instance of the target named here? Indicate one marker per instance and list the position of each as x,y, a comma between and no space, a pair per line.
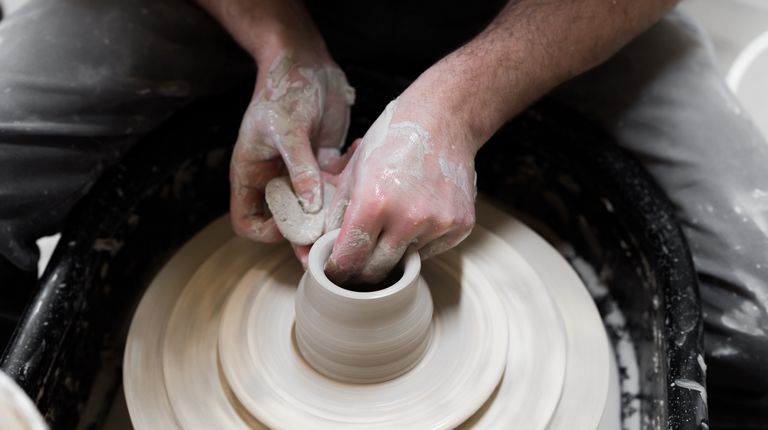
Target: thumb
300,161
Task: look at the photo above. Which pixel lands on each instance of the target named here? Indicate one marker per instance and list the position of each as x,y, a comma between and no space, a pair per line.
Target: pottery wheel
515,340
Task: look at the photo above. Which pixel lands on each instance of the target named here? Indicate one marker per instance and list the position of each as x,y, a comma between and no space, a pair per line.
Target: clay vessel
362,337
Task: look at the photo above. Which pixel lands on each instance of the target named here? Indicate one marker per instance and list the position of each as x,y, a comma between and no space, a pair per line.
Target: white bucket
748,78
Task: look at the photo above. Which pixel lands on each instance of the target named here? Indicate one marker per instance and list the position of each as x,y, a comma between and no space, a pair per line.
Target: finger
442,243
394,240
351,151
303,169
334,214
327,158
302,254
253,164
335,125
359,233
388,252
247,209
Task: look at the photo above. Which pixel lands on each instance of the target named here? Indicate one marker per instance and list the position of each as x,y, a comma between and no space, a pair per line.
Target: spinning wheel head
454,342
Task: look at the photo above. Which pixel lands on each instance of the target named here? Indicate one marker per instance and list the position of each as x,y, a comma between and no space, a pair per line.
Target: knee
736,337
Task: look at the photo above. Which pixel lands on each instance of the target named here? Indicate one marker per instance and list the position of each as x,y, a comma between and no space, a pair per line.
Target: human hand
411,182
297,121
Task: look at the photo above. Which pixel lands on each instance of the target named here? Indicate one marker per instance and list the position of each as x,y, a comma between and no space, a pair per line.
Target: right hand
411,183
297,121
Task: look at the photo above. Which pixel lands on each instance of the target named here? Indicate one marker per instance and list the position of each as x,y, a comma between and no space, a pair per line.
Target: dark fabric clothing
82,81
663,99
400,36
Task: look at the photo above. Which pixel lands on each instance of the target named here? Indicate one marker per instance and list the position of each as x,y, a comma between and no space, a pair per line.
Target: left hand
296,122
411,182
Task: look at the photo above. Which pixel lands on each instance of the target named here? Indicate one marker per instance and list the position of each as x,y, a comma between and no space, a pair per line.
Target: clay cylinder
362,337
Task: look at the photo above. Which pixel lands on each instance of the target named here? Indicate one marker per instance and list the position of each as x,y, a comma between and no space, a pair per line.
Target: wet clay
296,225
214,344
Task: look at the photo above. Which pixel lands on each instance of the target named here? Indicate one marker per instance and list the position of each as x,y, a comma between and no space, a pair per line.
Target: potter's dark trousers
81,81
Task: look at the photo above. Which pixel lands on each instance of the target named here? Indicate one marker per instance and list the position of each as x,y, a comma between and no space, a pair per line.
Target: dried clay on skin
420,173
285,115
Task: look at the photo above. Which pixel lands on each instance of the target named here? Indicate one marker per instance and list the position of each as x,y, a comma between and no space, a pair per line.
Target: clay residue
692,385
296,225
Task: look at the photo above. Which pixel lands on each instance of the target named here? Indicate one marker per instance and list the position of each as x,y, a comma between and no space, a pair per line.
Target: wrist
269,28
276,42
447,102
447,127
440,101
481,86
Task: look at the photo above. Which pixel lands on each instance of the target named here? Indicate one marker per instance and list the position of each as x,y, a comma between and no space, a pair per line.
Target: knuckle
370,208
306,172
434,248
414,215
468,223
305,177
413,218
444,222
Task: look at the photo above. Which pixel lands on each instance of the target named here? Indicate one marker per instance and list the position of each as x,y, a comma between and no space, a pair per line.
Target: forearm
531,47
266,28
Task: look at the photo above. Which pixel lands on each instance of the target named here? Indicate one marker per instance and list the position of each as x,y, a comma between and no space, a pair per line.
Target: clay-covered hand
411,182
296,122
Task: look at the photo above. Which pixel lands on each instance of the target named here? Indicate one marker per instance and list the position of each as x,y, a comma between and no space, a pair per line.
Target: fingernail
310,201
